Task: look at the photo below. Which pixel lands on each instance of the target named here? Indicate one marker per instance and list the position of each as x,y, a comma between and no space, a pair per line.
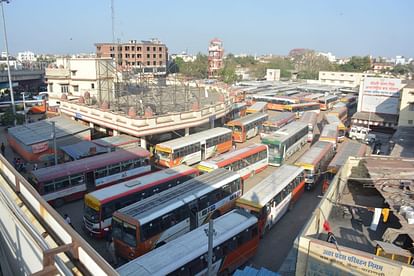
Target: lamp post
7,59
24,107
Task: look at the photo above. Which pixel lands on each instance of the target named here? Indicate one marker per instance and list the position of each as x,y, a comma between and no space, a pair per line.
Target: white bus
193,148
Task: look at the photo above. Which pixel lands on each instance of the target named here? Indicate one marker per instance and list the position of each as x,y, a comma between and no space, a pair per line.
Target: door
90,181
193,216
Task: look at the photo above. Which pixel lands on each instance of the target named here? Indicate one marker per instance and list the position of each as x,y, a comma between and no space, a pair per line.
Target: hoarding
382,87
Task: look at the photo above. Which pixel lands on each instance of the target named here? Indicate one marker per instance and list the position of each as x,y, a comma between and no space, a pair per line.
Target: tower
215,58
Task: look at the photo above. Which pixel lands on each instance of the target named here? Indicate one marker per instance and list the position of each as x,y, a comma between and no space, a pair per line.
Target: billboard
380,95
382,87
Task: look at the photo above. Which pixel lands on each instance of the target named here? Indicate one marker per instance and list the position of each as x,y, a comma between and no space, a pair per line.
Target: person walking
35,167
3,149
112,255
67,220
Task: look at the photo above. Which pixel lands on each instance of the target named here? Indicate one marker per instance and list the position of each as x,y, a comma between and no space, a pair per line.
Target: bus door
193,215
90,181
203,150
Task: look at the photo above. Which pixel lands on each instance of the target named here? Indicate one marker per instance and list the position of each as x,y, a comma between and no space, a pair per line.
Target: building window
160,55
132,48
154,62
73,73
112,55
64,88
410,122
139,48
111,49
126,48
120,48
133,55
51,87
148,49
148,56
98,48
160,49
148,63
92,85
154,49
126,55
154,55
160,62
139,56
76,88
411,107
133,63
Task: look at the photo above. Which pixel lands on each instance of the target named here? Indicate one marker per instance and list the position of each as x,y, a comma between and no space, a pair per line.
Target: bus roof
347,149
240,153
193,138
285,132
309,117
314,154
281,118
257,106
332,119
166,201
181,250
88,164
338,111
330,131
286,98
121,189
248,118
269,187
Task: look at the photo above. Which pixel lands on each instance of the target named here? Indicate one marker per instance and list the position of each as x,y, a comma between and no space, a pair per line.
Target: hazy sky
343,27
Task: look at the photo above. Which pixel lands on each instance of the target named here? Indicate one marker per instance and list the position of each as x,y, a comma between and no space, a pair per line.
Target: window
148,63
92,85
64,88
160,49
76,88
50,87
139,49
132,48
139,56
112,55
410,122
148,49
73,73
154,55
154,62
160,62
160,55
148,56
411,107
154,49
126,48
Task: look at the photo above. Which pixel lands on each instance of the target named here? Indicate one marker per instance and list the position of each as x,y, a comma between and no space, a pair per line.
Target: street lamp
24,107
7,59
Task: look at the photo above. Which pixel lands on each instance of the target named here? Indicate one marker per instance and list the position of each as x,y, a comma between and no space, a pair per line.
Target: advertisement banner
382,87
326,259
40,147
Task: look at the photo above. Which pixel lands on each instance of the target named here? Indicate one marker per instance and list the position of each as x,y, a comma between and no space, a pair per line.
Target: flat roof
116,141
41,131
375,117
347,149
82,149
403,142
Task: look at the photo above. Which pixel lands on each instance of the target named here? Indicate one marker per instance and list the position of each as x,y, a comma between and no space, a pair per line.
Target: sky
343,27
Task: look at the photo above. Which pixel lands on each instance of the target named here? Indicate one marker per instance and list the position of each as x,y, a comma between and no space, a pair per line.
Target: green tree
356,64
7,119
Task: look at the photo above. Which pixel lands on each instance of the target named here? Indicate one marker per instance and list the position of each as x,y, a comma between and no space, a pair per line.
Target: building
34,142
363,224
329,56
147,57
215,58
26,56
402,60
346,79
406,117
378,103
273,74
76,76
184,56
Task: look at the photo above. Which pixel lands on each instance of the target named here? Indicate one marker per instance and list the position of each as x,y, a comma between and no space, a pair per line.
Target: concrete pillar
115,132
91,125
143,143
212,123
187,131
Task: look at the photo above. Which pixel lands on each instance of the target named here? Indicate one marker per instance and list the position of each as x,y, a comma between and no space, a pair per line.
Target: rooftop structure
215,58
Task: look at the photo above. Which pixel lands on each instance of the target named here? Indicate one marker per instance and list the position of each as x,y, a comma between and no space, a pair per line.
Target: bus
285,142
310,118
257,107
70,181
236,240
332,119
315,162
100,205
193,148
340,112
247,127
237,110
276,122
300,108
246,162
347,149
277,103
330,133
272,197
327,102
154,221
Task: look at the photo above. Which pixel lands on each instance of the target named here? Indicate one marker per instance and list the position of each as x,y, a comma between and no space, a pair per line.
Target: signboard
382,87
325,259
40,147
376,104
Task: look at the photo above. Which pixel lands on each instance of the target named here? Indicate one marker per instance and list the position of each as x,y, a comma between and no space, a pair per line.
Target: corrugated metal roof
82,149
42,131
347,149
315,153
286,132
114,141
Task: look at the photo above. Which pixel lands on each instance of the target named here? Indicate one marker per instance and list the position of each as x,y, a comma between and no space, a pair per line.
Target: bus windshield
124,231
91,214
274,149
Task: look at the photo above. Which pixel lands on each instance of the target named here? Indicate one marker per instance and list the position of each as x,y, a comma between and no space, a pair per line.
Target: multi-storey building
215,58
148,57
407,105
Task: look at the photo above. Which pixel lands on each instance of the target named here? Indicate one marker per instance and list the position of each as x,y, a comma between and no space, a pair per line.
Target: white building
329,56
26,56
346,79
75,76
402,60
186,57
272,74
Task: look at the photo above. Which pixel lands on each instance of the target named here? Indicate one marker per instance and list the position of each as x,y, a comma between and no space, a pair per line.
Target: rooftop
403,142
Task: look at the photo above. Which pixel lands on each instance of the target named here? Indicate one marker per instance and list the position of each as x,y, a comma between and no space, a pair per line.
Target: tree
309,63
7,119
195,69
356,64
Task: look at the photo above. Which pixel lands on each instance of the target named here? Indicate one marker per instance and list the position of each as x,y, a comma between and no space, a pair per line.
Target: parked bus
193,148
315,162
246,161
310,118
347,149
327,102
257,107
277,103
285,142
70,181
276,122
154,221
331,119
272,197
330,134
340,112
300,108
100,205
238,110
247,127
236,240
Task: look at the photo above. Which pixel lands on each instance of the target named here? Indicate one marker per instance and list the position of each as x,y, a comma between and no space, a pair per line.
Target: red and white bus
300,108
274,123
257,107
154,221
247,127
330,132
101,204
236,240
327,102
272,197
193,148
310,118
70,181
247,161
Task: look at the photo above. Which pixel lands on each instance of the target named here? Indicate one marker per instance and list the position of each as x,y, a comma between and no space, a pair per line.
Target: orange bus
247,127
327,102
154,221
277,103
